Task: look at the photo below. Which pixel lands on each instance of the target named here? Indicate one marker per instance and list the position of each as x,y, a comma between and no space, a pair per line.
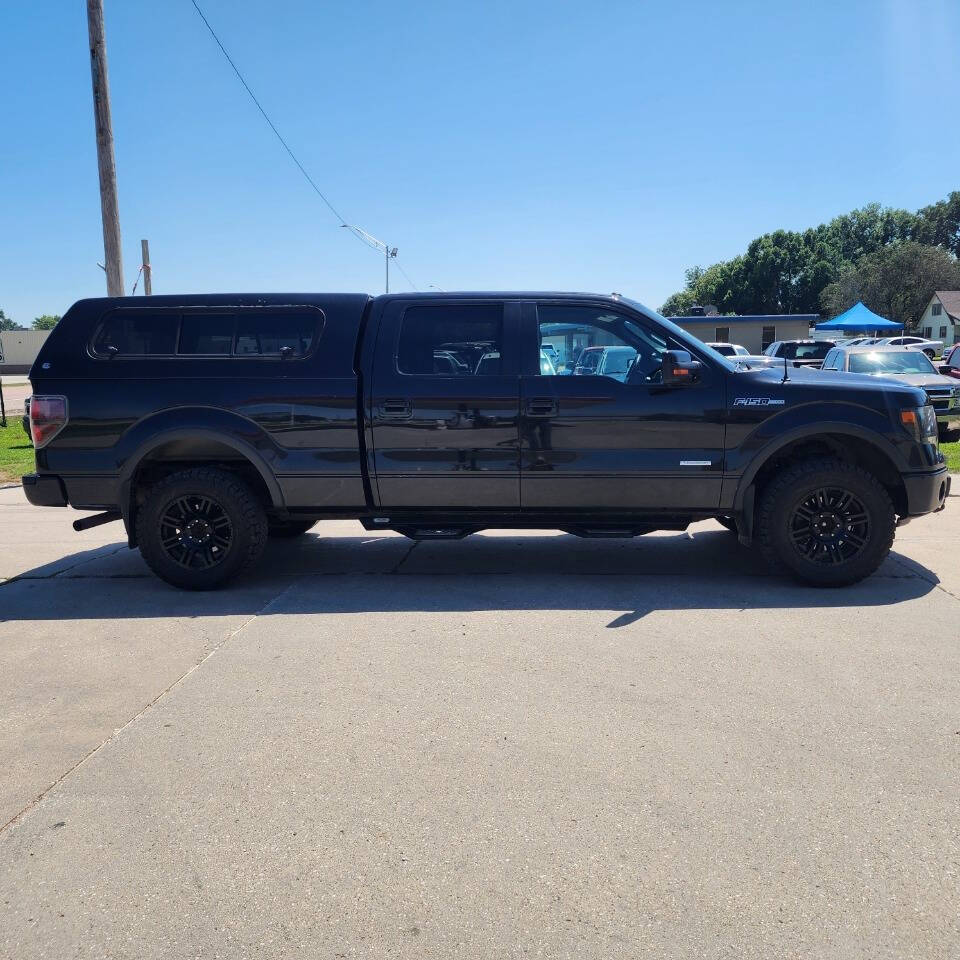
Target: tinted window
805,351
767,336
723,334
206,333
137,333
451,340
267,333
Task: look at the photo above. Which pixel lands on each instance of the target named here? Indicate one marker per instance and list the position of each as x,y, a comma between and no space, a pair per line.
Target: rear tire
288,529
830,523
200,528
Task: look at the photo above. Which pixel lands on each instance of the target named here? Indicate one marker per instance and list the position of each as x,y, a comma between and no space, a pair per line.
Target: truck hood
807,384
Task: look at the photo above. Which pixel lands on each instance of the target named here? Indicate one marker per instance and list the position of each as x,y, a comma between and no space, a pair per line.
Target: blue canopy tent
862,320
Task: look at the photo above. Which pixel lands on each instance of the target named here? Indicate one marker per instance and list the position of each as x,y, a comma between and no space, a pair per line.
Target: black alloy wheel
829,526
196,532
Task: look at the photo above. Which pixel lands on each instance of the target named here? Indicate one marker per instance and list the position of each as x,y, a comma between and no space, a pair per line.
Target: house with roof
941,319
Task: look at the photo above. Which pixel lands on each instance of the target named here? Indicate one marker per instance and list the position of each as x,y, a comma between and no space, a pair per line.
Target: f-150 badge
757,402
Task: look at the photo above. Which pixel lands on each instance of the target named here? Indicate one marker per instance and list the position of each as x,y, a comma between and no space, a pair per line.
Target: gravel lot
510,746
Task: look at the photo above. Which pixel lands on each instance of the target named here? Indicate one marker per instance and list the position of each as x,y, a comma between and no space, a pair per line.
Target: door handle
542,407
396,409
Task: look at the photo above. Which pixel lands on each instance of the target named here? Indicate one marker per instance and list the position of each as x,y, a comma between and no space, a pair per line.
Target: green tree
787,271
939,224
7,324
47,322
896,282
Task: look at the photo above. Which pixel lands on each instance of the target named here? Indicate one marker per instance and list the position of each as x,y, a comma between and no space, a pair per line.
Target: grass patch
16,452
951,452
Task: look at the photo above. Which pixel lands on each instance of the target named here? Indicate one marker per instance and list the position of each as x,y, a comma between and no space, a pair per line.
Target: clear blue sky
500,145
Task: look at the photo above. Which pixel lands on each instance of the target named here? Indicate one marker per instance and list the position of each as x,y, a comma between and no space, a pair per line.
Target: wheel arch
171,448
841,440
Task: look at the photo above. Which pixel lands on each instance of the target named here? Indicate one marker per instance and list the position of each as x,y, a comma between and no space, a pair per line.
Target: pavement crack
404,558
160,696
915,570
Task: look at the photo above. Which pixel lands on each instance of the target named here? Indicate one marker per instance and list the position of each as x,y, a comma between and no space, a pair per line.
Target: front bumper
44,491
926,492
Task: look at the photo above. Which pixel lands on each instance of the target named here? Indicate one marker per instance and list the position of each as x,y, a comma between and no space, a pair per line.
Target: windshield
880,362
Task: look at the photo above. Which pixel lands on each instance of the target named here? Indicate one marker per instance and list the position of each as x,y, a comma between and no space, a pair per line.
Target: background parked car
905,365
755,360
932,348
730,349
803,353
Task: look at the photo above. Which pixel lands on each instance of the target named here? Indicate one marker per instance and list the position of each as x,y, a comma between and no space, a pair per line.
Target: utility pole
106,164
147,275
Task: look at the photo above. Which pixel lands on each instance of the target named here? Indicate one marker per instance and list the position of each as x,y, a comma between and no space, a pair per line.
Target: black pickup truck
208,423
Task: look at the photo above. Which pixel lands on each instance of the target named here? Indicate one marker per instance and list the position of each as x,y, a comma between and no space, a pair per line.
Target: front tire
830,523
200,528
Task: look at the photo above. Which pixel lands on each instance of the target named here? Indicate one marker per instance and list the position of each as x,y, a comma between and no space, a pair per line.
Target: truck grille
941,398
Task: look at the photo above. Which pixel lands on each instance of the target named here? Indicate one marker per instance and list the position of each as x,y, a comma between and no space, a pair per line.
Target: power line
404,272
276,132
263,112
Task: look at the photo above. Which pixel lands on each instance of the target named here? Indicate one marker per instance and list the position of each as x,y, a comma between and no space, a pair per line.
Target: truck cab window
451,340
583,341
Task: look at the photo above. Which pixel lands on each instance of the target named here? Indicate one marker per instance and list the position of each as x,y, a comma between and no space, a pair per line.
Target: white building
941,319
19,348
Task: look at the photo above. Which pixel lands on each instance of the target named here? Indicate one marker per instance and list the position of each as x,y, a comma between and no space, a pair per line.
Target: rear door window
451,340
137,333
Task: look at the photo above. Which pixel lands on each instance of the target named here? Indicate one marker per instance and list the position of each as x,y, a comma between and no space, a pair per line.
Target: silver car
932,348
905,365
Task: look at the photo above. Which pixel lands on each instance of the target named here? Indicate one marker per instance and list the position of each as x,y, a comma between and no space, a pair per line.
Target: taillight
48,416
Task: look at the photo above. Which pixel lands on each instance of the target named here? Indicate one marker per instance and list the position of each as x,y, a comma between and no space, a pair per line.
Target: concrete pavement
513,745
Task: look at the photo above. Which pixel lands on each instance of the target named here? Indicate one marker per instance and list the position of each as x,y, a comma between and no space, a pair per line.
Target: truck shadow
510,571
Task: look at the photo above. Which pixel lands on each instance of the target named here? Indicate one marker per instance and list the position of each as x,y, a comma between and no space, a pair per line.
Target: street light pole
389,253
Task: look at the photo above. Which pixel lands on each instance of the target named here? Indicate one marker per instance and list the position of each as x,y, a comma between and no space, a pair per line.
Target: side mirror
679,368
286,353
944,369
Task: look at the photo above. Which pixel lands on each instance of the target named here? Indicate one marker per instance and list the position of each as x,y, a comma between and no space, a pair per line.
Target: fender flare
810,430
227,429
